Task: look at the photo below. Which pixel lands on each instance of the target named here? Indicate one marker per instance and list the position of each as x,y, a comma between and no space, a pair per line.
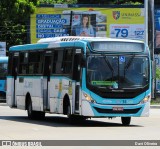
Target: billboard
157,61
157,28
2,48
83,21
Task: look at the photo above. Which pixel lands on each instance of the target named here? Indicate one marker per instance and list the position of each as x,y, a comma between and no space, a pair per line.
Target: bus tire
40,115
30,112
74,119
68,111
34,114
126,121
70,117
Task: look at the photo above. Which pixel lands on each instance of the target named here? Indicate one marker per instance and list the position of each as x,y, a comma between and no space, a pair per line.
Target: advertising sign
95,22
2,48
157,28
157,61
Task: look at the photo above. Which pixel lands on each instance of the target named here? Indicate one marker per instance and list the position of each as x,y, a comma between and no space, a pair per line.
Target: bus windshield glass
3,70
118,71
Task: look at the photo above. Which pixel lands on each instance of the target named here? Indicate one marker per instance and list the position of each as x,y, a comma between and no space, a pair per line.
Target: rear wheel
126,120
34,114
40,114
31,113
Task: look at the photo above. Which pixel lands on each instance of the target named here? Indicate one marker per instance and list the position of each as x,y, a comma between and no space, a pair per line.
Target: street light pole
149,39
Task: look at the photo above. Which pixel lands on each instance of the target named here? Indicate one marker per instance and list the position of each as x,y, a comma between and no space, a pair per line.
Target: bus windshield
118,71
3,70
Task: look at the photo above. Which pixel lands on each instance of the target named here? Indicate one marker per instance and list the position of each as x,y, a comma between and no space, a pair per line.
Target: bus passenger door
14,74
46,80
76,77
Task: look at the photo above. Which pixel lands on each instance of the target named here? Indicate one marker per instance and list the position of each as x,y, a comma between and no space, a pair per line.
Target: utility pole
146,21
149,39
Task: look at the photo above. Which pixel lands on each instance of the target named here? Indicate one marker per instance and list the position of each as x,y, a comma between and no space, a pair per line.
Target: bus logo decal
122,59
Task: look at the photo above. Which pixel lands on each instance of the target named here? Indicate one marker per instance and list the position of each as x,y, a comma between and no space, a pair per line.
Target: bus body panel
116,101
3,86
32,86
3,73
10,91
59,88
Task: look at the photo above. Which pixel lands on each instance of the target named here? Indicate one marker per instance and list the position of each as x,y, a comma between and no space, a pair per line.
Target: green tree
157,73
112,2
14,18
15,15
58,1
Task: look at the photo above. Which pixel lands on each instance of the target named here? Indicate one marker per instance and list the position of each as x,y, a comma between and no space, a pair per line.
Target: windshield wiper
109,65
128,64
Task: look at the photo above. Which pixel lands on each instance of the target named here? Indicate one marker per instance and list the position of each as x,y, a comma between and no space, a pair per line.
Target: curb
3,104
155,106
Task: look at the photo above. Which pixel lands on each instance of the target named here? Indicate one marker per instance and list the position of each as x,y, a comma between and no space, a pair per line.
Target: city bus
80,77
3,74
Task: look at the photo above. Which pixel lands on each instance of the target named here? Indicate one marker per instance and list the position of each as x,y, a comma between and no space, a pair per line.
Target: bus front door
46,80
76,77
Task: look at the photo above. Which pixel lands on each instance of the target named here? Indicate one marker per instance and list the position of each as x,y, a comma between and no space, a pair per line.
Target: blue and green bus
3,74
81,77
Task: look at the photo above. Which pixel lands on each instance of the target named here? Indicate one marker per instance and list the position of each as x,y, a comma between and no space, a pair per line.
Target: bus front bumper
99,110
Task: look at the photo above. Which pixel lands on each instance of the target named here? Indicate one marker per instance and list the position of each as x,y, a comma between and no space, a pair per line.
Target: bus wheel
126,120
68,111
34,114
40,115
31,113
70,117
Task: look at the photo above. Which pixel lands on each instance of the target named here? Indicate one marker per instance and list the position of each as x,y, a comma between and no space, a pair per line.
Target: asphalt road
15,125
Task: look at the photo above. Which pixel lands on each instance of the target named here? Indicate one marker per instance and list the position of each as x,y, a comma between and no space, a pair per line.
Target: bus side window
23,63
67,61
35,62
57,62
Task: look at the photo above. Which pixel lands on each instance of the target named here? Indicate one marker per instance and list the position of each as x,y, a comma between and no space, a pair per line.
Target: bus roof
3,59
46,43
76,38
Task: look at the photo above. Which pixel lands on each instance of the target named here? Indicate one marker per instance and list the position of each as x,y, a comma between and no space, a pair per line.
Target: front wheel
126,120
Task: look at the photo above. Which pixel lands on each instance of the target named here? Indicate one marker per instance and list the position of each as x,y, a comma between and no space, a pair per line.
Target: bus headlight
146,99
88,98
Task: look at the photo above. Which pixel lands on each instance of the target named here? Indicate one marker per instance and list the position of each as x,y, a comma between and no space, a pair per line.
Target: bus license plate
117,108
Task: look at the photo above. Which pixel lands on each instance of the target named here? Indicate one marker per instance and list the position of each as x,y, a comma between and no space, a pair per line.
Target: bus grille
110,111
